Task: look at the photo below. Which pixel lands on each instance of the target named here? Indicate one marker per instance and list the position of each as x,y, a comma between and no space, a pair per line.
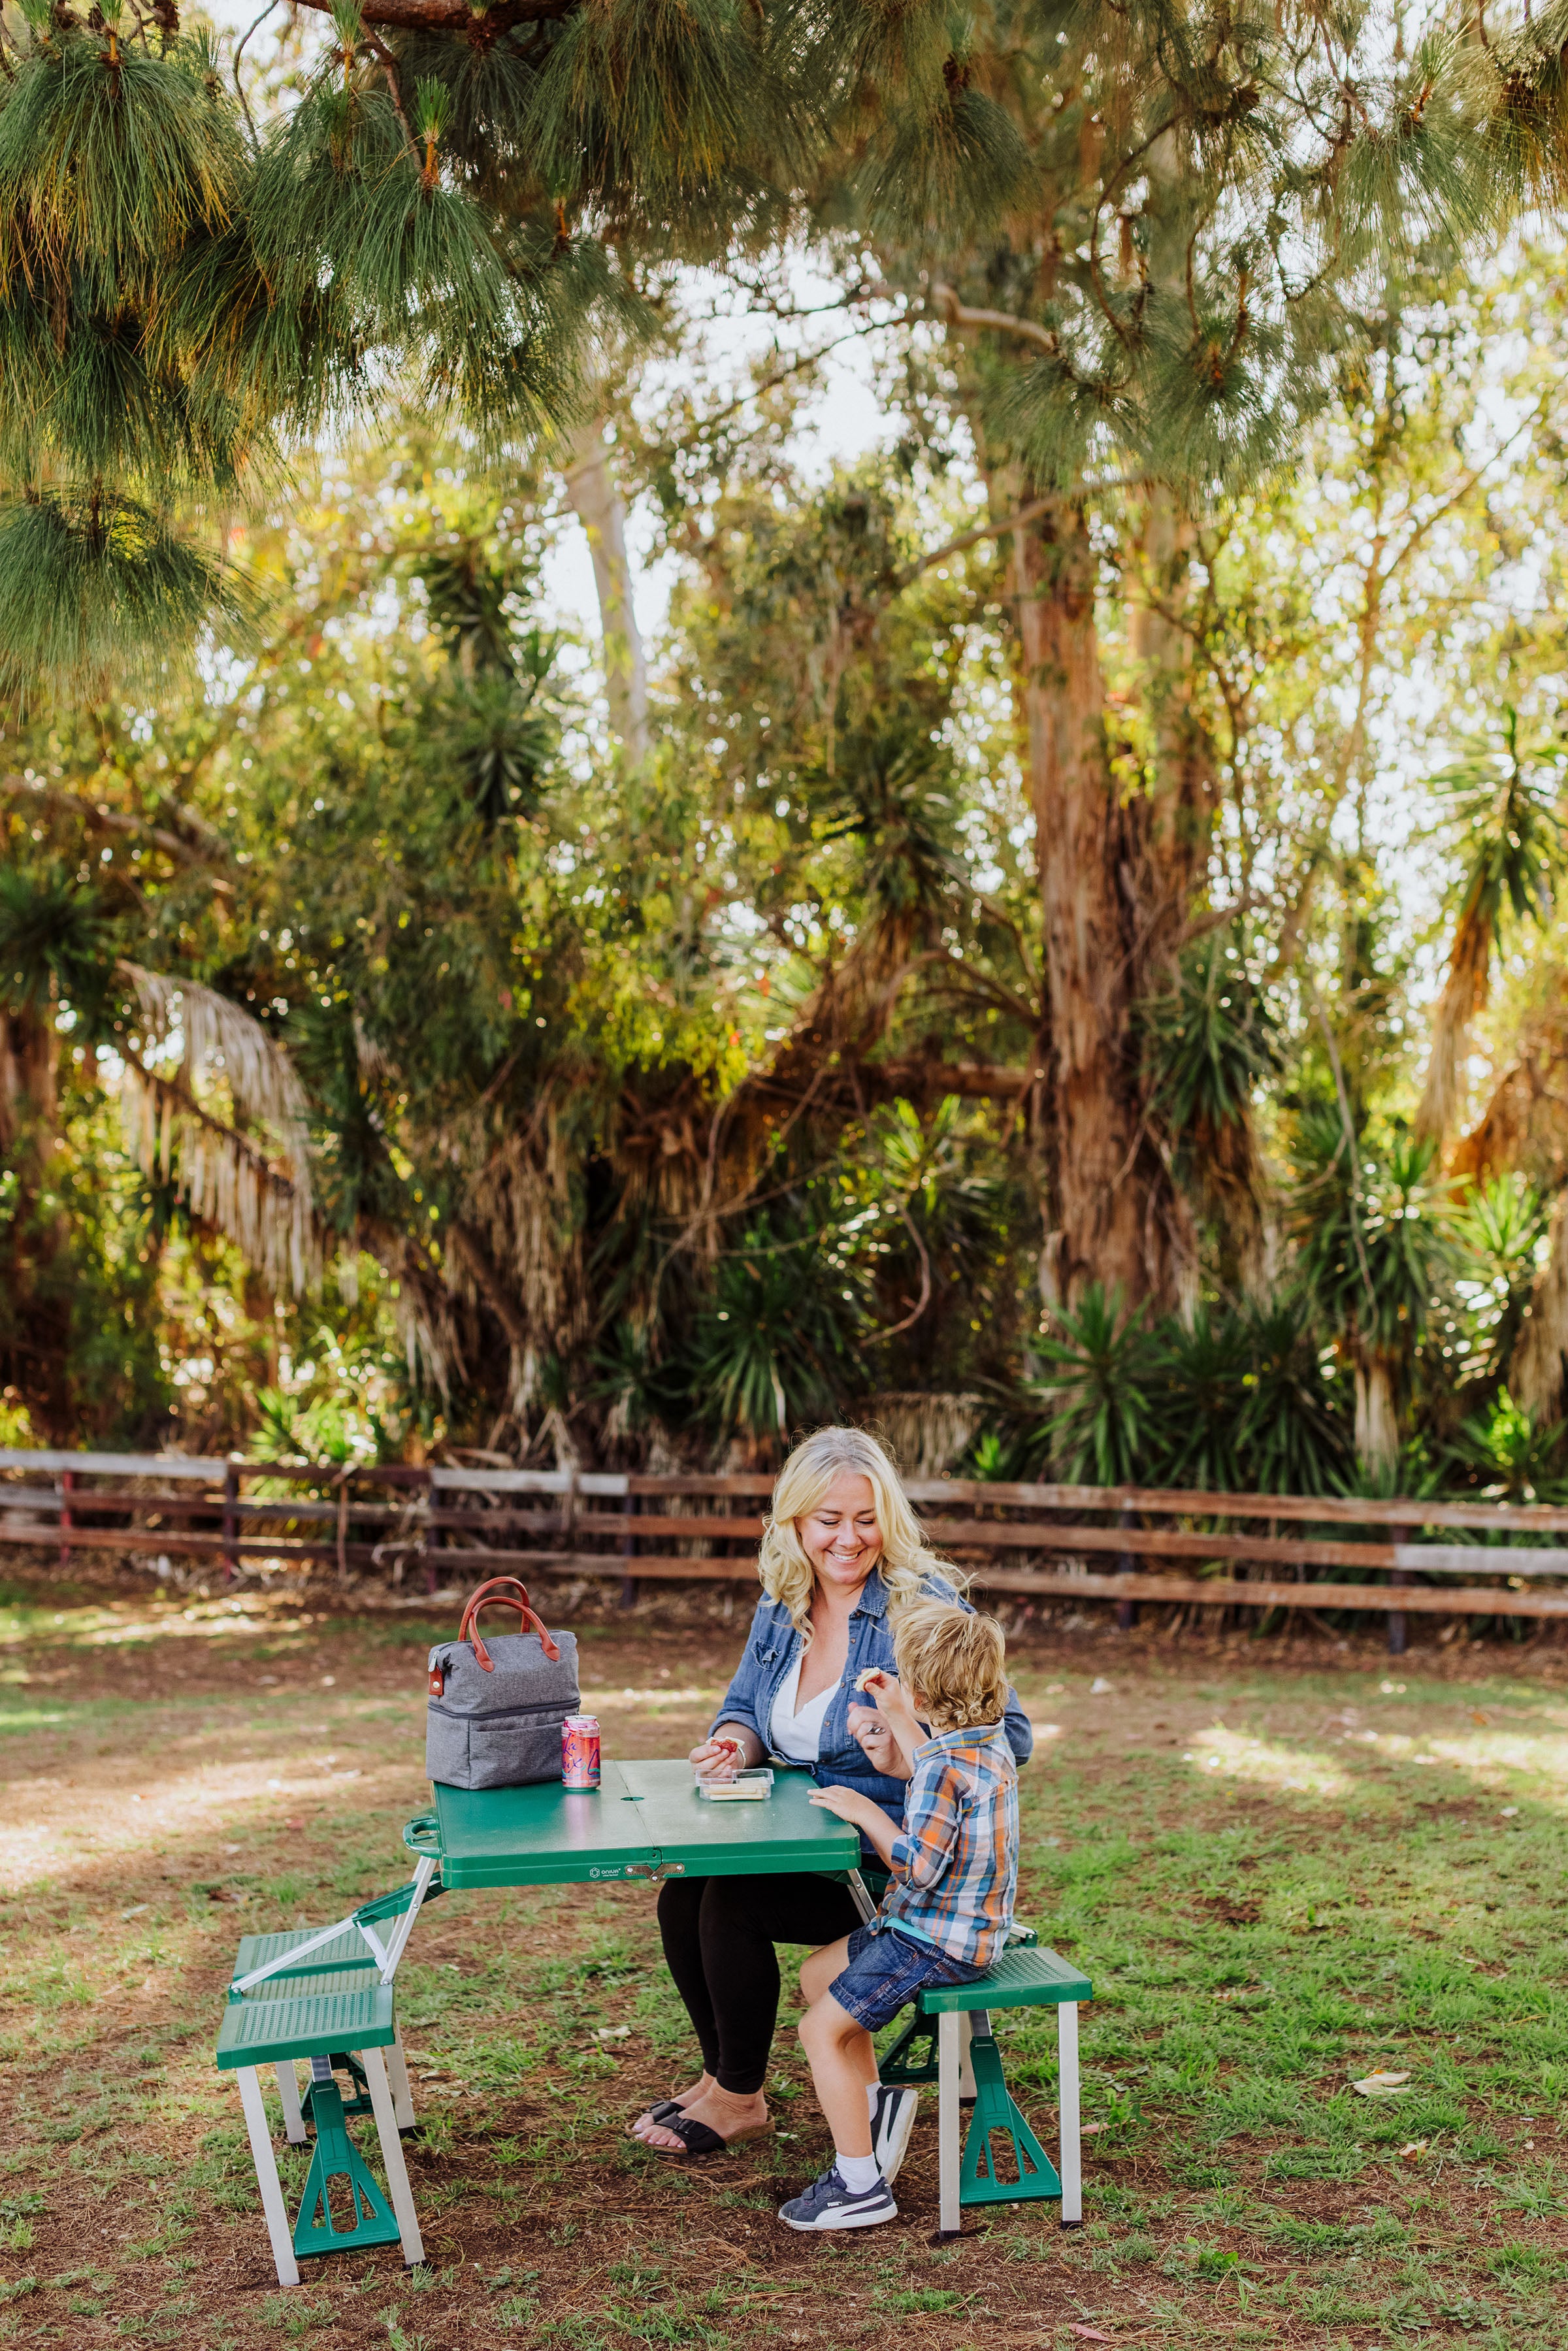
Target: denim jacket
771,1648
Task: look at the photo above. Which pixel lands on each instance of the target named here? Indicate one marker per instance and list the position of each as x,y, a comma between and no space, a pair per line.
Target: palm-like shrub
770,1351
1094,1422
1374,1246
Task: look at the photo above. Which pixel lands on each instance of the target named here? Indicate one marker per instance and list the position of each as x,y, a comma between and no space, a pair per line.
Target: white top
799,1734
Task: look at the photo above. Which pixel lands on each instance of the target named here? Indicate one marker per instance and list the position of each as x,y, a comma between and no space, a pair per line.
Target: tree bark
1377,1414
35,1304
1115,1216
596,500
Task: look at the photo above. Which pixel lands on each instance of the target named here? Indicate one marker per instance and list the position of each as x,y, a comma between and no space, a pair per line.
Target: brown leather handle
497,1594
476,1600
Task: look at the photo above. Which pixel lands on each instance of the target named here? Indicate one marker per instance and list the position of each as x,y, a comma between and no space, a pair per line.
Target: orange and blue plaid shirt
954,1864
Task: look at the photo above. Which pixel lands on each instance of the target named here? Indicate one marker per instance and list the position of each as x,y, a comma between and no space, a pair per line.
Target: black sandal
697,2138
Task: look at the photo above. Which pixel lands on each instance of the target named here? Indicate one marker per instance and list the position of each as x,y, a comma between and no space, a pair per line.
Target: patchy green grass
1281,1873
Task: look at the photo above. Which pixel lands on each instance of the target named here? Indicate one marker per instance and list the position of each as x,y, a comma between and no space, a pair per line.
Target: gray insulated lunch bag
497,1707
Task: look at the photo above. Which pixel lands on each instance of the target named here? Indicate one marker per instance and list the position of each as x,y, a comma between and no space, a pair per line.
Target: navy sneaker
893,2112
827,2204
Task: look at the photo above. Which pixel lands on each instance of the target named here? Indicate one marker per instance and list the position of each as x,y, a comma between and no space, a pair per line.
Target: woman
841,1552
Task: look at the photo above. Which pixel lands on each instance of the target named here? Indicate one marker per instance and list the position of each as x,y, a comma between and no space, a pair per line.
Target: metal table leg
397,2073
288,2091
949,2065
398,2189
267,2178
1071,2164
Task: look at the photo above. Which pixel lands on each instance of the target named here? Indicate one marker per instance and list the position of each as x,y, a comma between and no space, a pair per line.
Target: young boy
945,1915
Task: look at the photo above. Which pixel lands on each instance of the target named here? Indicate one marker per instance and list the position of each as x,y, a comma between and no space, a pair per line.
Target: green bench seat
949,2041
331,2010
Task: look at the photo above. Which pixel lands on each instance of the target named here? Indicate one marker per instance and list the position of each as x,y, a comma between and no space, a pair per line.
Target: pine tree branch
961,314
255,26
388,64
456,16
107,819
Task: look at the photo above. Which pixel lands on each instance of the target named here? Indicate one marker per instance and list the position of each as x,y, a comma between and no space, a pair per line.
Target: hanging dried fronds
225,1181
1536,1368
260,1197
220,1037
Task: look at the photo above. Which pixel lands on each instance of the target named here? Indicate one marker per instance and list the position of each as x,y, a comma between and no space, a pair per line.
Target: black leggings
718,1935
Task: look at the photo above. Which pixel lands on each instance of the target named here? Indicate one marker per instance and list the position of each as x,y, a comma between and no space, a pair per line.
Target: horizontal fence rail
442,1522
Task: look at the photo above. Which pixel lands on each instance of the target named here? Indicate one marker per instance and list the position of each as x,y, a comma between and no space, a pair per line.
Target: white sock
858,2172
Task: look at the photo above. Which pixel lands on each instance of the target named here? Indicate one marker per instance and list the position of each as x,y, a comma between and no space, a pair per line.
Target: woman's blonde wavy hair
788,1575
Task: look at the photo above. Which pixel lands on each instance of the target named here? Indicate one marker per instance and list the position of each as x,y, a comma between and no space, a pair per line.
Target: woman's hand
719,1758
880,1746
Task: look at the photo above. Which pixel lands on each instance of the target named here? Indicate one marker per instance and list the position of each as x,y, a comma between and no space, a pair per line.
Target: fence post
67,1481
629,1550
1396,1615
1126,1610
231,1522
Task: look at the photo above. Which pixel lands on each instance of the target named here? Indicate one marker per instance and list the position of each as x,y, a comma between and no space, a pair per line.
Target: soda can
580,1750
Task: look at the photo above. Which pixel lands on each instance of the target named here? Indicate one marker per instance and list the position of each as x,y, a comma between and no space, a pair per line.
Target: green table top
645,1819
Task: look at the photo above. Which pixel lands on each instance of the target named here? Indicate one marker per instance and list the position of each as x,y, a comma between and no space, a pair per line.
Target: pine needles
93,586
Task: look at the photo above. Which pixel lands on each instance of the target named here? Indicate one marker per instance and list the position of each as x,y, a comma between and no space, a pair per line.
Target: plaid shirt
955,1867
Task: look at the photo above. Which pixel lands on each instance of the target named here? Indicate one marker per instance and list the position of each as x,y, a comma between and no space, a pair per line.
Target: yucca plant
770,1351
1504,823
1094,1422
1512,1456
1375,1244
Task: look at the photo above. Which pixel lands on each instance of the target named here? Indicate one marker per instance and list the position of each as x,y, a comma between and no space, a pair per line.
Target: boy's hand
889,1697
849,1804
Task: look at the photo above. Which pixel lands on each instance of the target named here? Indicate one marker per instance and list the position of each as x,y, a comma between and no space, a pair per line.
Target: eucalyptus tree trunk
1169,877
596,500
34,1315
1377,1412
1113,1216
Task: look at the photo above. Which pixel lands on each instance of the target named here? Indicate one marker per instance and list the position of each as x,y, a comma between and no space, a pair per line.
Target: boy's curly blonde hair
951,1662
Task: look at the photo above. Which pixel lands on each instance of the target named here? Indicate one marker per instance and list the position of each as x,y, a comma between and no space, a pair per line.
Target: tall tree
1188,208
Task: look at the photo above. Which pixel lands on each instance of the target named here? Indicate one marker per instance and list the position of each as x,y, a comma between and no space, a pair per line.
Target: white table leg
1072,2143
949,2058
272,2203
391,2155
966,2062
288,2091
397,2073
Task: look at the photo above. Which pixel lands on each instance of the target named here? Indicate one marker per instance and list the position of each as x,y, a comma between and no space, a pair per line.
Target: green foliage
1375,1234
1097,1411
1235,1401
1500,814
1210,1042
768,1353
93,586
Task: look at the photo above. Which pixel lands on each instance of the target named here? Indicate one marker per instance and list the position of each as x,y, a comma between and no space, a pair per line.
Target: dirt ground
1283,1864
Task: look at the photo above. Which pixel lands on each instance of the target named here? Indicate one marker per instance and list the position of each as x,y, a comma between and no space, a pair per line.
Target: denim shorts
887,1970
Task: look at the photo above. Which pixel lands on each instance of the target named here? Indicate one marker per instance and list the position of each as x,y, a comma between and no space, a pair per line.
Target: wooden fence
441,1525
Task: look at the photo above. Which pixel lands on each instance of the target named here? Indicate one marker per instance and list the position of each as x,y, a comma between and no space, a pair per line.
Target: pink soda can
580,1750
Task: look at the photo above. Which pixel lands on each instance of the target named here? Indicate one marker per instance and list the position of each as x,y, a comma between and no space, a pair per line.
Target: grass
1283,1870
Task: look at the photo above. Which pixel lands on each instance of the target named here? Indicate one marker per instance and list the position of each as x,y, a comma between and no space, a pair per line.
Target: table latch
655,1871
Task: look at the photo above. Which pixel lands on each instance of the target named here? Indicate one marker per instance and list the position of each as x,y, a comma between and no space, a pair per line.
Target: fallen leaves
1379,2084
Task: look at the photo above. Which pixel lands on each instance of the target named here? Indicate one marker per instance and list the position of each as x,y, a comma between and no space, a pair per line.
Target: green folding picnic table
645,1821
